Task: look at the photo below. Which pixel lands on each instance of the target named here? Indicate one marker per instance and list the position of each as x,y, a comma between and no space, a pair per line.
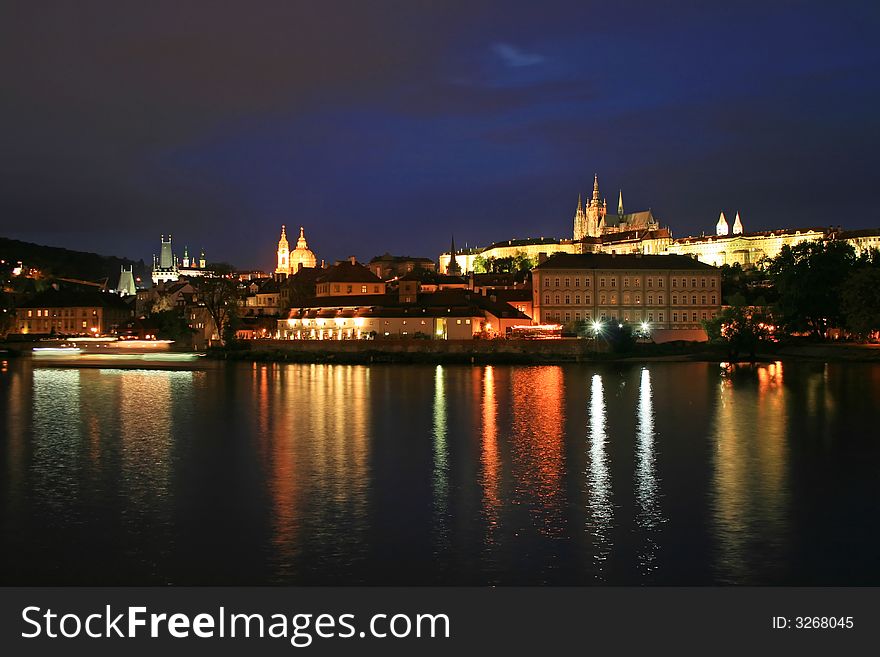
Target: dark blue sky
386,126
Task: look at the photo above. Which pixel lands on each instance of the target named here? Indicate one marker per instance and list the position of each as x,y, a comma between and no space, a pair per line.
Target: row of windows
636,282
64,312
349,289
558,316
636,299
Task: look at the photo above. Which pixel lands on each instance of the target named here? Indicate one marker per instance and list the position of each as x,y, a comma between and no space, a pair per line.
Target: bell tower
283,253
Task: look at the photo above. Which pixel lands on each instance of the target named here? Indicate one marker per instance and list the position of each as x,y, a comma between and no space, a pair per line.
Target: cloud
516,58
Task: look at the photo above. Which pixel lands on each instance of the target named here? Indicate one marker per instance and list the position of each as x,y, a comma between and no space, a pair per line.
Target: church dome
301,256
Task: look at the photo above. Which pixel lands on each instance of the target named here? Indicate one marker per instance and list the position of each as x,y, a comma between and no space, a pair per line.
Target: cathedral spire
620,204
721,228
596,189
454,268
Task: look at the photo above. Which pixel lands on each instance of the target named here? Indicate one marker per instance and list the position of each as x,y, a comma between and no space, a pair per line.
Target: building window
588,281
693,282
694,300
577,299
660,317
674,282
614,299
702,282
567,317
650,299
567,282
650,282
660,299
650,317
674,317
626,281
556,299
577,317
546,299
712,282
587,299
694,317
613,281
602,299
577,282
601,282
637,282
638,298
363,289
674,298
626,299
546,281
659,282
567,299
713,299
557,282
703,300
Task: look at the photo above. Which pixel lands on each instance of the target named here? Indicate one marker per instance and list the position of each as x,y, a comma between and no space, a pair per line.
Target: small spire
721,228
737,225
620,203
596,188
580,206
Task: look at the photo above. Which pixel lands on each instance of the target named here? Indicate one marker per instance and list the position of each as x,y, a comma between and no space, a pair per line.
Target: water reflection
750,478
537,445
600,510
648,515
440,474
318,433
489,458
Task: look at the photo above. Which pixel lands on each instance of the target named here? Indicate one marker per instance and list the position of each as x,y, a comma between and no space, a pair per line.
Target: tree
221,299
860,300
808,278
621,336
479,265
740,327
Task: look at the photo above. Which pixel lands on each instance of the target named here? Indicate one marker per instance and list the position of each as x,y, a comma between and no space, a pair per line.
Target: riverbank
528,352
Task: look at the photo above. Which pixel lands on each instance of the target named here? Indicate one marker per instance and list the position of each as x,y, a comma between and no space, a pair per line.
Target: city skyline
397,127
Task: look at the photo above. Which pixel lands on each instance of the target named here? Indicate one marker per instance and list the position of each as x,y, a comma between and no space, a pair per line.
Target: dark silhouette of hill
54,261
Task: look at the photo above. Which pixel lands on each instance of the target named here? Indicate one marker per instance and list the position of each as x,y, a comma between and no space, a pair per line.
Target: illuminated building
290,262
672,294
72,312
167,268
448,315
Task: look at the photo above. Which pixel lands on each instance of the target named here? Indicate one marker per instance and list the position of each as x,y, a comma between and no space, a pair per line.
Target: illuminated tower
186,257
620,204
580,219
595,211
721,228
283,254
166,258
202,261
737,225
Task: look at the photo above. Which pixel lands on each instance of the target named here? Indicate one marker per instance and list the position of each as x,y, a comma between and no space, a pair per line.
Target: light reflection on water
666,473
649,515
601,512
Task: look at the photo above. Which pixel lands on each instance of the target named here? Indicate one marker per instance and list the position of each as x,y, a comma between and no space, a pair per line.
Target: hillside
58,262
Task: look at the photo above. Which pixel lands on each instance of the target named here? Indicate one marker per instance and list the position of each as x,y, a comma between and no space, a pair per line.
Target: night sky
387,126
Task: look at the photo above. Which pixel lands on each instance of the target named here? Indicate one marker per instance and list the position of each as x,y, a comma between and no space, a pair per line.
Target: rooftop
622,261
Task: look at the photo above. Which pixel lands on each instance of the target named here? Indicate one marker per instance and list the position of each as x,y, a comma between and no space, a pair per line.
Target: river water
664,473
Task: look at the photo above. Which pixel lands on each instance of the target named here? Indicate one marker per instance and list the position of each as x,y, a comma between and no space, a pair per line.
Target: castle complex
597,231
